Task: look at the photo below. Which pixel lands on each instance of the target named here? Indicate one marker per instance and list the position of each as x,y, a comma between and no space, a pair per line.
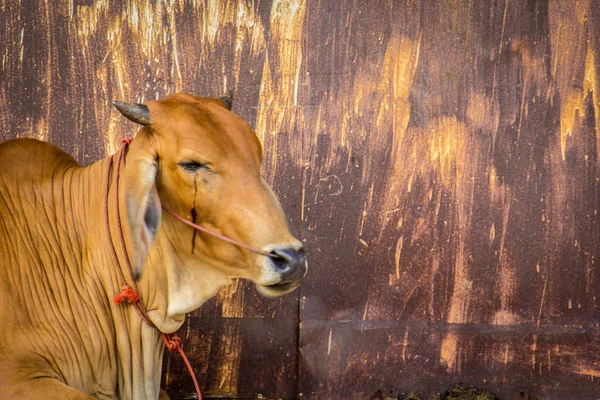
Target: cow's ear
141,199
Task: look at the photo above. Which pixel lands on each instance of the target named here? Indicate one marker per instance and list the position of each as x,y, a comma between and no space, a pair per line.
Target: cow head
196,157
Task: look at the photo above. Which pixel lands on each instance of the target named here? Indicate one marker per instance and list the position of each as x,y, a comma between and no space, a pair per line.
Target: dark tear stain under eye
194,213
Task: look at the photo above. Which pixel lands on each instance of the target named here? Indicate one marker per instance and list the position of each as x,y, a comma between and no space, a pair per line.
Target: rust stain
404,345
449,159
506,269
279,85
226,372
232,301
449,353
483,112
447,152
533,349
573,105
539,318
575,66
507,358
399,245
392,83
588,370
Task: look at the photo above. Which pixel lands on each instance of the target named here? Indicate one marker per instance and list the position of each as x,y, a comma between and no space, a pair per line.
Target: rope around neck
129,294
132,294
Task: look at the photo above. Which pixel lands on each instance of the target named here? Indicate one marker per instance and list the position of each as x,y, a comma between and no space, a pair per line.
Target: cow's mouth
278,289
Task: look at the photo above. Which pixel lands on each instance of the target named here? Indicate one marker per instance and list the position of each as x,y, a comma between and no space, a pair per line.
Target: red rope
172,343
124,295
129,294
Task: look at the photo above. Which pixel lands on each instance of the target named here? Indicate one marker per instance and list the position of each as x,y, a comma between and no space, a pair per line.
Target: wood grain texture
237,358
453,196
356,359
439,158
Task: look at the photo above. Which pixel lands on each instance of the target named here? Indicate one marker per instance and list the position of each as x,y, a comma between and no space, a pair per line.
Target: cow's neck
169,289
138,347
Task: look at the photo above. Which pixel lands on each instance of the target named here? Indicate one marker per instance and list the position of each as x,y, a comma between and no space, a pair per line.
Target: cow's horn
138,113
227,98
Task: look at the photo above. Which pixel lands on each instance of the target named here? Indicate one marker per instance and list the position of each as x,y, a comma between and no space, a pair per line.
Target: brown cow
61,334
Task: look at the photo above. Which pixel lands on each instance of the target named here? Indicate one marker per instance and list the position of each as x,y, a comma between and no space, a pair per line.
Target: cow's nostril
290,263
281,263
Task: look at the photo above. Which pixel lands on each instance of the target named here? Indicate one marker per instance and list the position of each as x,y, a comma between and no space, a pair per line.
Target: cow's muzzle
291,266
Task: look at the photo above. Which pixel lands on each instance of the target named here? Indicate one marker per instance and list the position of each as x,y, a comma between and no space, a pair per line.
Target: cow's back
31,176
32,160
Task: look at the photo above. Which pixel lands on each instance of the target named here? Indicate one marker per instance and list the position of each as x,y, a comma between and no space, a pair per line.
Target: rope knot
126,141
173,342
127,294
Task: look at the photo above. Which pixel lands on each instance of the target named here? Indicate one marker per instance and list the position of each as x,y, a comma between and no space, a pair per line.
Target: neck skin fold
171,285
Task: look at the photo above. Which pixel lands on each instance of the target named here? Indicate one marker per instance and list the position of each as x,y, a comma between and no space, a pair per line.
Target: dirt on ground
459,392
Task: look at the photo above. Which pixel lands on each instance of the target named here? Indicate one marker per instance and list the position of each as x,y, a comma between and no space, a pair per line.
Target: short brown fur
61,335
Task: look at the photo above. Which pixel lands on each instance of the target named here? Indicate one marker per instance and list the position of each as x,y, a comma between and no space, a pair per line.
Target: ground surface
459,392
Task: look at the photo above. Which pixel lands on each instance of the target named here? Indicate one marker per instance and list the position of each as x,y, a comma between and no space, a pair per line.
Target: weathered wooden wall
439,158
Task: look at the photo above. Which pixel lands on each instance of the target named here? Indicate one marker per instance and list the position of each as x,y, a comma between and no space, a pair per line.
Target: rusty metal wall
439,158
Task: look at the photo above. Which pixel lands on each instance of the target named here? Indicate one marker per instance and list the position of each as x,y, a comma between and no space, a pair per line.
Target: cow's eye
193,166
